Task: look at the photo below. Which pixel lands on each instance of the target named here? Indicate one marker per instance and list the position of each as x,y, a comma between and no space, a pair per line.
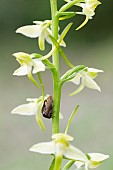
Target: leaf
61,52
68,165
52,164
71,118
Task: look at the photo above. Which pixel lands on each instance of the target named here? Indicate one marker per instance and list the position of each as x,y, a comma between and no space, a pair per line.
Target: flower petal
22,71
84,23
94,70
25,109
77,90
38,66
32,31
39,113
23,58
75,154
89,82
79,164
44,148
93,73
98,157
40,122
41,40
76,79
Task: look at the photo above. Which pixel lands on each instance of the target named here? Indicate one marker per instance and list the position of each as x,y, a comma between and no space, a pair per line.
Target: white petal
94,70
47,33
21,54
38,22
76,79
25,109
60,115
48,40
75,154
90,83
98,157
32,31
38,66
79,164
44,148
32,100
88,12
22,71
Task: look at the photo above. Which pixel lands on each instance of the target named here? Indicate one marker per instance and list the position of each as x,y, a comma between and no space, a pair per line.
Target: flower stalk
56,77
48,106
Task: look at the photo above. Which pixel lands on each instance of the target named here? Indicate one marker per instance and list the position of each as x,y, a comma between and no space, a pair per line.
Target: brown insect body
47,108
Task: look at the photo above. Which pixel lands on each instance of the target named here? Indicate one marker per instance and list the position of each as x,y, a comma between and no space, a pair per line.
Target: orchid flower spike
94,160
28,64
85,78
60,146
42,30
34,107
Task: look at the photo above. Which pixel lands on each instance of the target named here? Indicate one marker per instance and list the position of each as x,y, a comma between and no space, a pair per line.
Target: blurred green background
92,46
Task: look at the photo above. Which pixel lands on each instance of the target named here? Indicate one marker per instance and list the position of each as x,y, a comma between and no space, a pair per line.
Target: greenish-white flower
41,29
34,107
88,9
60,146
86,78
28,64
94,160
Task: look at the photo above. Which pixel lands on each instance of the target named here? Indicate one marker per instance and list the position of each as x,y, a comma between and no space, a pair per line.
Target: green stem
56,105
55,71
58,162
55,22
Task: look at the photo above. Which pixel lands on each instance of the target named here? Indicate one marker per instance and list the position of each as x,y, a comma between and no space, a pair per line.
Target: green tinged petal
40,122
41,41
84,23
77,90
44,148
75,154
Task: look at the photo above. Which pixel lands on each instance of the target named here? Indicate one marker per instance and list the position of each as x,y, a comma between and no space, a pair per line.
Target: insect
47,108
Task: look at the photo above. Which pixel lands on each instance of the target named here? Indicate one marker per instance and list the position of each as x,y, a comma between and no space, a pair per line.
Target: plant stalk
55,71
